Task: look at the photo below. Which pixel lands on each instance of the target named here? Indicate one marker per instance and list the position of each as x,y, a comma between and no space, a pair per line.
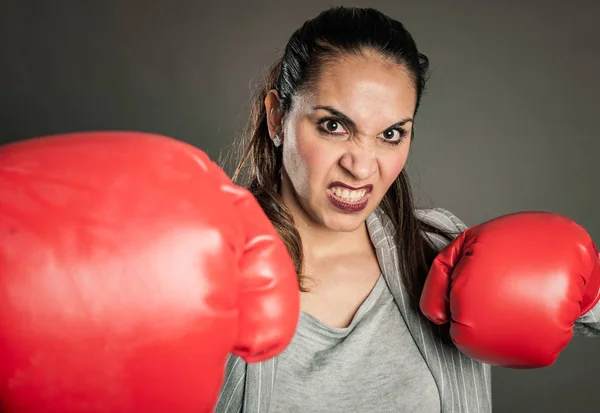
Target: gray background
509,122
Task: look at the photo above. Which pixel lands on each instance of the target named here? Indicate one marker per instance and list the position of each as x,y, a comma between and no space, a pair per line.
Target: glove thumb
269,298
435,298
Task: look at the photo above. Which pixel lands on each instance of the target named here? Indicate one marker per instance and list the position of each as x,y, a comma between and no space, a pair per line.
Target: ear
274,114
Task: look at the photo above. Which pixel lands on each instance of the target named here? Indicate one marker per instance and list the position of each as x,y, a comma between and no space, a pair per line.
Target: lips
368,187
349,198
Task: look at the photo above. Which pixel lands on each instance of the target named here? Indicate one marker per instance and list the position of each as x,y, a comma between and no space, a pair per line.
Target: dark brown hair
334,33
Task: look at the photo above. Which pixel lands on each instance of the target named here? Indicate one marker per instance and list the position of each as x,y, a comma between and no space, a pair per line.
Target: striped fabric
464,384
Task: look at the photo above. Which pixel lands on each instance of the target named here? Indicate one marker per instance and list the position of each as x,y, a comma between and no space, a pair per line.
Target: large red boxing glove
130,267
513,287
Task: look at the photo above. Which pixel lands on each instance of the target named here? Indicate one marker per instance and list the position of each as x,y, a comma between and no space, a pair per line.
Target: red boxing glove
130,267
513,287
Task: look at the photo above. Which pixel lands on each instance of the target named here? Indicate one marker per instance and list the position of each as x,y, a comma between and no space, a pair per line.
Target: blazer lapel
382,231
260,379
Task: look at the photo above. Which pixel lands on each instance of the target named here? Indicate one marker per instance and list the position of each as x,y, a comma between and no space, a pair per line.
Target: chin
325,215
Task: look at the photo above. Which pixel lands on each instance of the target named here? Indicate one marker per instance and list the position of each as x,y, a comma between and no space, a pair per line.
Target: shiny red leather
130,267
513,287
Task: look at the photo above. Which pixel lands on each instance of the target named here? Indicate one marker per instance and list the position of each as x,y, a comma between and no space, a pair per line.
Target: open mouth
347,195
349,199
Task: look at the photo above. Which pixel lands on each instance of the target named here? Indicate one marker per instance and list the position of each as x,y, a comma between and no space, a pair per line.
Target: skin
378,97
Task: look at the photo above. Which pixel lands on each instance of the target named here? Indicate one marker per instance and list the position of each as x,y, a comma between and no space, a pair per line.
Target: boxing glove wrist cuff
591,296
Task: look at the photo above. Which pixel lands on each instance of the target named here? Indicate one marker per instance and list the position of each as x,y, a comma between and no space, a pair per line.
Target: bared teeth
348,195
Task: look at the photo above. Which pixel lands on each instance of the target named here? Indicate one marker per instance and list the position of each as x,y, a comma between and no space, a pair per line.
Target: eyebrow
346,119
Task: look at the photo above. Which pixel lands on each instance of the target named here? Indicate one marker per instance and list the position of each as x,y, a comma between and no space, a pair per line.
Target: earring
277,141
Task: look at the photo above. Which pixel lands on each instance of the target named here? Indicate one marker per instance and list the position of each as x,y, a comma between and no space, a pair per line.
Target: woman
328,138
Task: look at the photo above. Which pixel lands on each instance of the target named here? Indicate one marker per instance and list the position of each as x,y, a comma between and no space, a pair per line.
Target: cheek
305,158
393,164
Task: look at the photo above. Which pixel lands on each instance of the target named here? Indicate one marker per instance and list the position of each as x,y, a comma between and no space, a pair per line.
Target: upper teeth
347,194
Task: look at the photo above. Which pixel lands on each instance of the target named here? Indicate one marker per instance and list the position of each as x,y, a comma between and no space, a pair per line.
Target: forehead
368,89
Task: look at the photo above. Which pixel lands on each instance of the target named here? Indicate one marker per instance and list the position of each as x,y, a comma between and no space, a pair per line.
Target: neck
320,243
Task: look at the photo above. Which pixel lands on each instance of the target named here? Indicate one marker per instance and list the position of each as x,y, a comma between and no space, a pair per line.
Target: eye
393,135
332,126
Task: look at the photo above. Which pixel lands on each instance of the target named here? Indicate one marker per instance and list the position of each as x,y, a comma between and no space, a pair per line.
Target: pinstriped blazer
464,384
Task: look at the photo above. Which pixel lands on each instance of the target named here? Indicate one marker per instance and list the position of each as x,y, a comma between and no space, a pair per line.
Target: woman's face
346,140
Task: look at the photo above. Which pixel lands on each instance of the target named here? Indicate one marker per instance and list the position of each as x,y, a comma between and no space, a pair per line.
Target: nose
360,161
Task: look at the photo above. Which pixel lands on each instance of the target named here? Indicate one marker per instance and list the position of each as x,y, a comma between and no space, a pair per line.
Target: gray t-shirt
371,366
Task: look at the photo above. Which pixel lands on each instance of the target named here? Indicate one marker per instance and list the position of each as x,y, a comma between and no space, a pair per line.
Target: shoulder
442,220
231,395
